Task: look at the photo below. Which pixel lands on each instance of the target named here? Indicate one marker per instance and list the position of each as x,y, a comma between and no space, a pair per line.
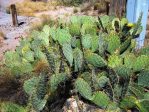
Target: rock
75,105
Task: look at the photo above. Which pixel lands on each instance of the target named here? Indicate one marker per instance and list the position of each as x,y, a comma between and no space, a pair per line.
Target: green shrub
99,61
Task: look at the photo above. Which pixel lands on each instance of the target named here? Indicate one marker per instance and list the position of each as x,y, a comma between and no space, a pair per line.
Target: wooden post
14,15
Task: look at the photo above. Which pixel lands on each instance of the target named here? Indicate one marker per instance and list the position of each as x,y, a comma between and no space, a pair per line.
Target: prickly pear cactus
91,58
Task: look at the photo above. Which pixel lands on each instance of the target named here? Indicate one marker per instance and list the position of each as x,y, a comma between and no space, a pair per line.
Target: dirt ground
12,34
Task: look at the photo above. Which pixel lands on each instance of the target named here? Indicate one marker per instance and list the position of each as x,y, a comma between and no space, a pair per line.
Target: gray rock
73,104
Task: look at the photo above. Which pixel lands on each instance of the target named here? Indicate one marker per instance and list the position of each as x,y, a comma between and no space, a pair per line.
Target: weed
75,10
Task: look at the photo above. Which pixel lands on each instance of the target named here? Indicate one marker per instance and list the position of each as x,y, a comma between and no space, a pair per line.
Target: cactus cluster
98,58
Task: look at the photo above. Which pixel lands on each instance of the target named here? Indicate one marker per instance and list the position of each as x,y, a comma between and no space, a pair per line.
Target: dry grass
28,8
2,36
4,71
86,7
101,7
98,5
45,20
36,26
41,66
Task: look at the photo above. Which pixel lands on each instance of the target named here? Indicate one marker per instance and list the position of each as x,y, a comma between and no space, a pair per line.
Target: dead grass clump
25,11
3,69
2,36
45,20
36,26
85,7
41,66
101,7
27,8
5,76
53,3
9,86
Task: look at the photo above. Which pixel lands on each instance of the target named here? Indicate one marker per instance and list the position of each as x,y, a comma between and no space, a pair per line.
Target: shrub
94,58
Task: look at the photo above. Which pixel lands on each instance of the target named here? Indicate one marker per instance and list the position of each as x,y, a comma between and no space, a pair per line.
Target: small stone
73,105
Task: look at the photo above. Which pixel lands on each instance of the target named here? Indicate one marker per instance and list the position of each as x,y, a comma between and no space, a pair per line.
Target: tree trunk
117,8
